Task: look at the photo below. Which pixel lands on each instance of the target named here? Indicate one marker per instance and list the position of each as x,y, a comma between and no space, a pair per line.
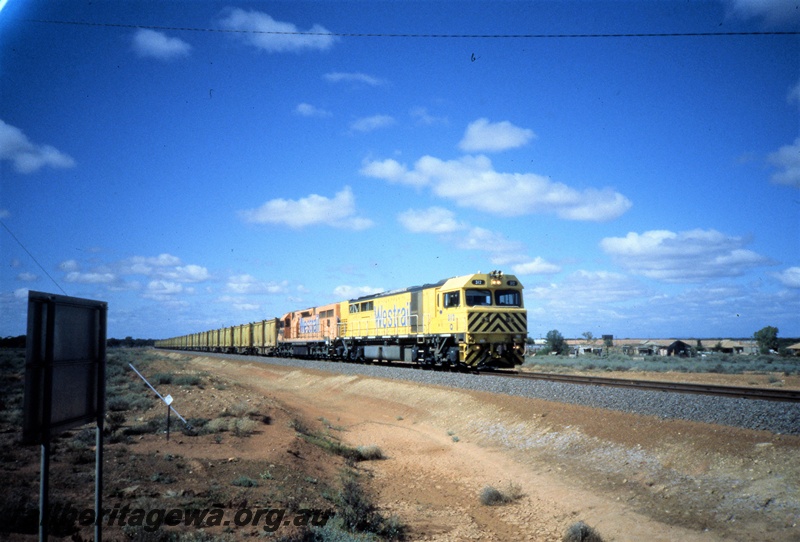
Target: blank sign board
65,364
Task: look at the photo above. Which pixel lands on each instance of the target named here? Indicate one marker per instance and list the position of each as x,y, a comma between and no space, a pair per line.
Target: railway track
739,392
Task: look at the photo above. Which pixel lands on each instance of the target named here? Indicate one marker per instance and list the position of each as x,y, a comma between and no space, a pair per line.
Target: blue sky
271,159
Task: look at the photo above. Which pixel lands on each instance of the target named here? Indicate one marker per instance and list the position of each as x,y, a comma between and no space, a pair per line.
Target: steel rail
739,392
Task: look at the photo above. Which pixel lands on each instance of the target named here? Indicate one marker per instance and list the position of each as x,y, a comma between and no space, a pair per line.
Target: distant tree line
766,338
127,342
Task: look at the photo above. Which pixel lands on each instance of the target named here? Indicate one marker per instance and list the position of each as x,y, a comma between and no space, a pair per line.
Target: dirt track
630,477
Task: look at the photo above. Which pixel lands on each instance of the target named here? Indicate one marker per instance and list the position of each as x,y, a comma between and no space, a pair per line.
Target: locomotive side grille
498,322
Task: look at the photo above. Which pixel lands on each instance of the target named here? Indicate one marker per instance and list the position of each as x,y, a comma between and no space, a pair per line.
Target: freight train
469,322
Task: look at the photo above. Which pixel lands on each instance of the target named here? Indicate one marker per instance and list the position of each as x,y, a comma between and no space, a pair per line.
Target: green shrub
244,481
217,425
358,513
161,378
491,496
186,380
370,453
580,532
243,427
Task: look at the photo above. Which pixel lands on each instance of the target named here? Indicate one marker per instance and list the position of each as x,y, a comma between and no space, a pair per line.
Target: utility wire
411,35
32,258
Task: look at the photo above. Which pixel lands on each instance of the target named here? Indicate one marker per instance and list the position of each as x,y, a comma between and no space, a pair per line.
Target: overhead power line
412,35
32,257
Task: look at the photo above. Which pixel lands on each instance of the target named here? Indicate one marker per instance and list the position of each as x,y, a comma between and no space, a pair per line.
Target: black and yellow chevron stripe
497,322
475,356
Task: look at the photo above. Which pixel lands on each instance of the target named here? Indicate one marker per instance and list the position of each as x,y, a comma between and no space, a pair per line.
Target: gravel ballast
776,417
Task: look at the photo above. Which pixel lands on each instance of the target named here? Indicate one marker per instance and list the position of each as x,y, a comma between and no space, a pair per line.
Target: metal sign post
65,382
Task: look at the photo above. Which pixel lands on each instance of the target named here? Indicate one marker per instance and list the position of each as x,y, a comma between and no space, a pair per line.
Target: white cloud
471,181
164,266
308,110
484,136
790,277
787,161
422,116
489,241
537,266
264,32
238,304
27,277
588,288
368,124
689,256
143,265
153,44
187,273
352,292
90,278
341,77
28,157
443,222
794,94
773,12
69,265
163,290
431,220
393,171
338,212
248,284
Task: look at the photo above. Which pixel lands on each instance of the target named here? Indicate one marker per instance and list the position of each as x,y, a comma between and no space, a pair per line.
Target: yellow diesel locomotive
472,321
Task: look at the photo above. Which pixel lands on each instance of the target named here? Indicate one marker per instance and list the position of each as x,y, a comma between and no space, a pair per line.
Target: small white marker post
168,401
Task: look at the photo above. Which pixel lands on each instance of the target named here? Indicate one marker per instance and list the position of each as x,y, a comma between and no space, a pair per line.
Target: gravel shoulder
631,476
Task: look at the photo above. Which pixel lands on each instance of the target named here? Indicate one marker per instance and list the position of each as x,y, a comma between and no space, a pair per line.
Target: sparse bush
161,378
238,410
357,512
370,453
243,427
299,426
115,420
491,496
162,478
580,532
186,380
129,401
244,481
153,425
195,427
217,425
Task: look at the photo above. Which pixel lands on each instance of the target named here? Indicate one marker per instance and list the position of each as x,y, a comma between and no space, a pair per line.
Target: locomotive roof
459,281
398,291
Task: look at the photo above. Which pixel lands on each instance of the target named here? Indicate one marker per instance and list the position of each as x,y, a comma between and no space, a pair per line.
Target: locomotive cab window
451,299
353,307
507,298
478,298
